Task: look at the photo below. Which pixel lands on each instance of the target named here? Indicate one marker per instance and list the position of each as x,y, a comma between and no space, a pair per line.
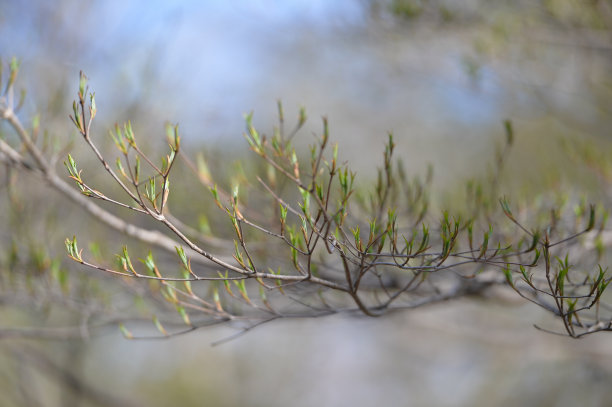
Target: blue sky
197,62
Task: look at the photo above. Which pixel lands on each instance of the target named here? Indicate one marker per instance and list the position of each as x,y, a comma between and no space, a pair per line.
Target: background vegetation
441,77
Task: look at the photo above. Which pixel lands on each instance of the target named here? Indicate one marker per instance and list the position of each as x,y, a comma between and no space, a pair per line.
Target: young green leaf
181,253
126,333
216,299
159,326
183,314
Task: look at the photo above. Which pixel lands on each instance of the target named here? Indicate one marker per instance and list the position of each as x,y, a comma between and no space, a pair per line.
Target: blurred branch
67,379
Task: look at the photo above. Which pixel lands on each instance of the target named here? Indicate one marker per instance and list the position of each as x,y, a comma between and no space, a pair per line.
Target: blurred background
441,75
